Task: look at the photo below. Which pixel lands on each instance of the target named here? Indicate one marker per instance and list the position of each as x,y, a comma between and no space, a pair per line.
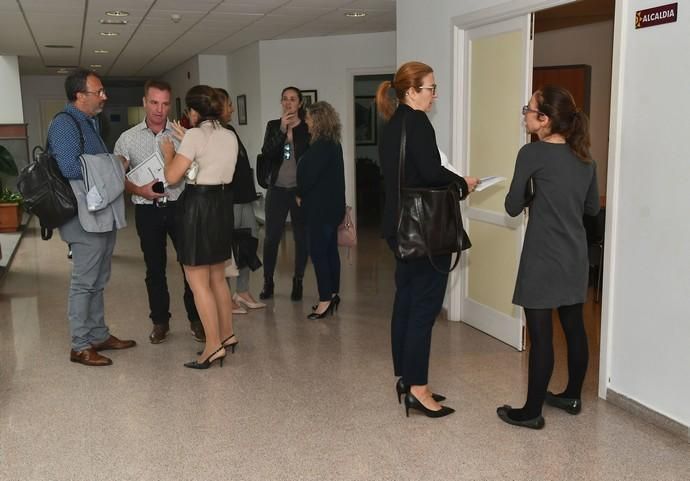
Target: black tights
540,327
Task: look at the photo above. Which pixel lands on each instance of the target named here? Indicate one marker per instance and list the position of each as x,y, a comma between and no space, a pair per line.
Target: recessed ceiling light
95,65
62,70
355,14
117,13
110,21
100,51
58,46
109,34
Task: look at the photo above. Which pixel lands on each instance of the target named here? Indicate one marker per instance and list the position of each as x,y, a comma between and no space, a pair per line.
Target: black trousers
280,201
323,249
419,294
154,226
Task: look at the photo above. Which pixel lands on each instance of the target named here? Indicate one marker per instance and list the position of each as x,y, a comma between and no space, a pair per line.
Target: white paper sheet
149,170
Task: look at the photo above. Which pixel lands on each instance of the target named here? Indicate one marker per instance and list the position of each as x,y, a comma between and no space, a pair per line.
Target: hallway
299,399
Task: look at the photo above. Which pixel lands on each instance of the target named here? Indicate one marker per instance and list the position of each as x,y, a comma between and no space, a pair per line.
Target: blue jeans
91,259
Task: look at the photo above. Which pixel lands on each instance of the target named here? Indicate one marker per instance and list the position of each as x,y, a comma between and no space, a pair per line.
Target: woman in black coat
321,189
420,288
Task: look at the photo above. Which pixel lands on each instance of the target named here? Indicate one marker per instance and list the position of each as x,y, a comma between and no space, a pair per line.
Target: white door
496,67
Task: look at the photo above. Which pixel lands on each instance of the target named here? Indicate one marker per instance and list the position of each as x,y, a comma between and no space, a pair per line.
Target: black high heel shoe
412,402
226,344
328,312
401,389
335,300
213,357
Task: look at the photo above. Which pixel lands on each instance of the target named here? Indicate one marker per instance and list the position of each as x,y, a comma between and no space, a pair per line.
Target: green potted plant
10,201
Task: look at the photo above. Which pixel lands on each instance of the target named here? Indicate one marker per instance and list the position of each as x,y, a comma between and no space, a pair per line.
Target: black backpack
47,194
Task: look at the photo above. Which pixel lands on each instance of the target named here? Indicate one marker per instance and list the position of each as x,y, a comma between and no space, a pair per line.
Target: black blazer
321,183
243,188
422,161
274,140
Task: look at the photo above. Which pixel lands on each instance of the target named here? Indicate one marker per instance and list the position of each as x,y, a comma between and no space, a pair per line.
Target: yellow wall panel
493,266
496,82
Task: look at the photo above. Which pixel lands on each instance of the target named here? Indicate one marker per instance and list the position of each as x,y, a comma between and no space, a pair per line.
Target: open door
497,72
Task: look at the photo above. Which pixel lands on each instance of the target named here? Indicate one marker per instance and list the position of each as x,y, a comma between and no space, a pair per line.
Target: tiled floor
299,400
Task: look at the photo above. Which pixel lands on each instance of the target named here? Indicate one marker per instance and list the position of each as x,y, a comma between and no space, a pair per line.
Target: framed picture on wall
365,120
309,97
242,109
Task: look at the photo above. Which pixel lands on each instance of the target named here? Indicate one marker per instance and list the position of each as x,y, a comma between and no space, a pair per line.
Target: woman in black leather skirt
205,216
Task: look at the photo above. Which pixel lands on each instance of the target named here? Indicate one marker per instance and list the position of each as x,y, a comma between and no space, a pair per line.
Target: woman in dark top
285,141
321,190
420,288
243,197
553,266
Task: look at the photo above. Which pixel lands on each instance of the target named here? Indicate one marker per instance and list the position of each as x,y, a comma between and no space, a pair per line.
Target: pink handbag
347,231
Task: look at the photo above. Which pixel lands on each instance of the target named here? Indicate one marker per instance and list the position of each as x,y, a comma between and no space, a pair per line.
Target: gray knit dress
554,264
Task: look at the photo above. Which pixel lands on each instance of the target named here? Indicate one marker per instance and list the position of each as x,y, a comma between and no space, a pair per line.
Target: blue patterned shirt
64,142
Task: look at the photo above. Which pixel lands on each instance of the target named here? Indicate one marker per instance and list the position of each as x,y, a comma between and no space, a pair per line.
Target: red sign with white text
656,16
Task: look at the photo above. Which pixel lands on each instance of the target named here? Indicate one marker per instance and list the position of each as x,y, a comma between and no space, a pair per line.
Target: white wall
10,93
592,45
34,89
213,70
649,280
244,70
328,65
182,78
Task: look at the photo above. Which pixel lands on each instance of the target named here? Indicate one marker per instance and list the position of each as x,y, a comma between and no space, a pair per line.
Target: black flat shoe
213,357
569,405
328,312
401,389
534,423
412,402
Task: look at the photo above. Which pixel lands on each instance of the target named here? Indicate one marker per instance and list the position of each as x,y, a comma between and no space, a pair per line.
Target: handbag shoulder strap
401,158
76,122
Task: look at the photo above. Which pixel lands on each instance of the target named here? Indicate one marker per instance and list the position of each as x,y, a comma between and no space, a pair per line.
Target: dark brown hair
76,82
156,84
206,101
566,119
409,74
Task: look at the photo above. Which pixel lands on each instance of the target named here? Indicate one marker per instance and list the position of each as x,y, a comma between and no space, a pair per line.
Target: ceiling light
109,34
100,51
355,14
95,65
117,13
58,46
111,21
62,70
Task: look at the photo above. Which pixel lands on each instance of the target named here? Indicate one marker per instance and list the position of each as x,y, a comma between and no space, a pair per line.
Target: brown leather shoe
114,343
89,357
198,331
160,331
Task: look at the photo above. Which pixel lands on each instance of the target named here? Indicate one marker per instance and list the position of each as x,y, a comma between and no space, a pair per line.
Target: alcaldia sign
656,16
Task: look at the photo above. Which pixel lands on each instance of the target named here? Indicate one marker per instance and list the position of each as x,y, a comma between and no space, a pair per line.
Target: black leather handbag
429,219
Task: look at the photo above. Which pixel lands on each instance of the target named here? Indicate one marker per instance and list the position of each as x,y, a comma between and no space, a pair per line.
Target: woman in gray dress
556,178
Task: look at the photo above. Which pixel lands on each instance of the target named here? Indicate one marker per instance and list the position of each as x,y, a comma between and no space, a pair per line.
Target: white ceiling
152,44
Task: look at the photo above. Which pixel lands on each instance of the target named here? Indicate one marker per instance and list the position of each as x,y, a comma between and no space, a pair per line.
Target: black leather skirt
204,224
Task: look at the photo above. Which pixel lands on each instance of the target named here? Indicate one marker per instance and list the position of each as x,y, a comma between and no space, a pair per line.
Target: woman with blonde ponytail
554,266
420,287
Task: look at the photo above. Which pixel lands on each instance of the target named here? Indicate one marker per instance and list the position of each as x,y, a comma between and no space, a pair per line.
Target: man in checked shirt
90,238
155,220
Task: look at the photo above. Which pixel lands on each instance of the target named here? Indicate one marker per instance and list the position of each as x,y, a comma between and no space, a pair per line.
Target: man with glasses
154,212
71,133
